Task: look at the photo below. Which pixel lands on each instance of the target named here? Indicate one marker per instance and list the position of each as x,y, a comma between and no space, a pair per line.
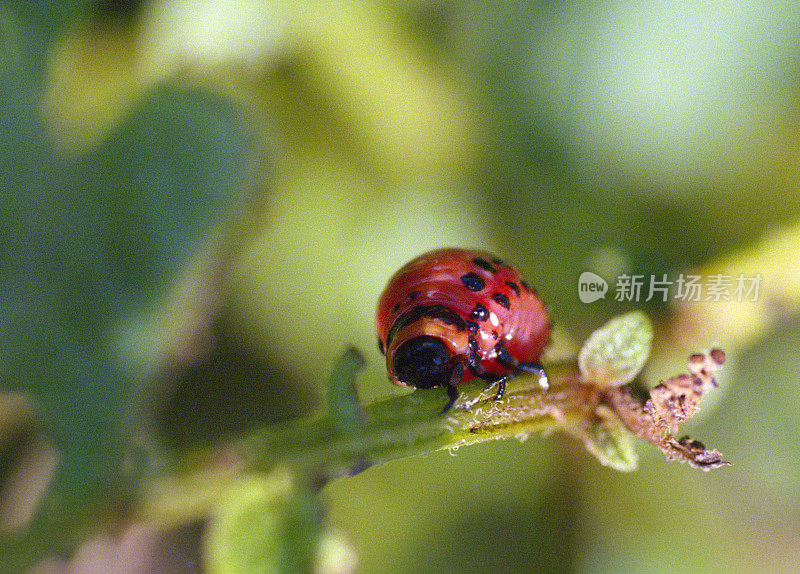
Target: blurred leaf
88,245
336,556
213,35
264,525
770,292
28,469
101,69
93,84
614,354
610,442
173,169
16,415
43,23
344,408
404,113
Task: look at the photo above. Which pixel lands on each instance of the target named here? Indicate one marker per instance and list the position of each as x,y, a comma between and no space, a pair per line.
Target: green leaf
611,443
40,26
614,354
88,246
344,408
264,525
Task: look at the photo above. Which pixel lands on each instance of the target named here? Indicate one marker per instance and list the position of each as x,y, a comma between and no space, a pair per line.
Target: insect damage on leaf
678,399
669,404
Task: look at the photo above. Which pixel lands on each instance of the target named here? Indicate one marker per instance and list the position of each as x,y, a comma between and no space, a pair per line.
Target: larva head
422,353
422,362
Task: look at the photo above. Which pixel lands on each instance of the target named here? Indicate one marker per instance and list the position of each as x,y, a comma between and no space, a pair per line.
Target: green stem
410,425
414,424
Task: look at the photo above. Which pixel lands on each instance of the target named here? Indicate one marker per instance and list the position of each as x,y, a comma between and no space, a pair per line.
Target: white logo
591,287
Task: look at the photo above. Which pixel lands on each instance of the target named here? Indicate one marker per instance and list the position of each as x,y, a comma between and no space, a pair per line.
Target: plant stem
413,424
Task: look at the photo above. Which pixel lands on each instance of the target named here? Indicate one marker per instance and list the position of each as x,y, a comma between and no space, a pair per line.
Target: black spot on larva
501,299
472,327
380,346
498,261
472,282
473,344
514,287
480,313
396,308
413,295
495,335
483,264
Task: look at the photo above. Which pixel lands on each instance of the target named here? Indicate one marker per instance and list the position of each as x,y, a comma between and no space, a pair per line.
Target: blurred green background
202,200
